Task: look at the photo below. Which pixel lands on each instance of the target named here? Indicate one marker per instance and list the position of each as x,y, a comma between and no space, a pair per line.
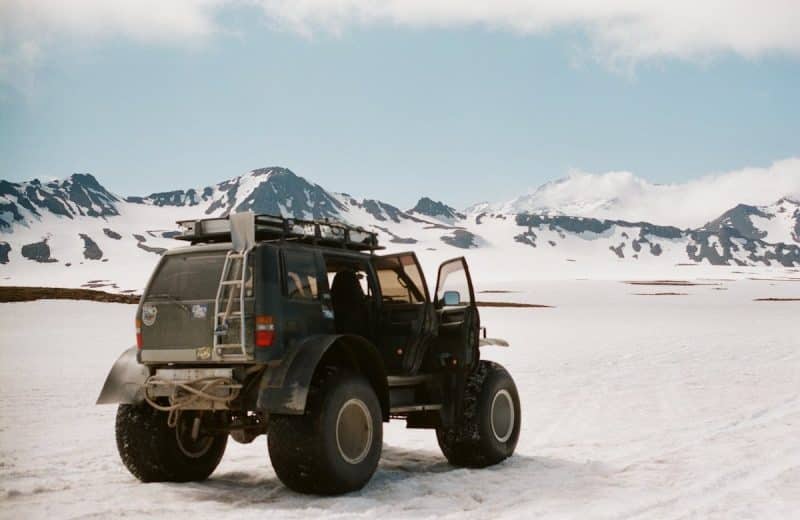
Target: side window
300,271
400,279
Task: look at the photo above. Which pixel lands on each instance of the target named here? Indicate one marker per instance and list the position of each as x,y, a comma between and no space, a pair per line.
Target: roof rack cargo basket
276,228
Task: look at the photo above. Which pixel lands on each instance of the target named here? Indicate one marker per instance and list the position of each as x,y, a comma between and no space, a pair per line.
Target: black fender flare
124,383
284,387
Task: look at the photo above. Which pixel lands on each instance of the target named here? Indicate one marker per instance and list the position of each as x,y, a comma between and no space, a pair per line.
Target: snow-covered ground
635,406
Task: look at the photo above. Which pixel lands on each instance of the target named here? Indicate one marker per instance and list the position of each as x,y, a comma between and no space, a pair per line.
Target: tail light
265,331
139,334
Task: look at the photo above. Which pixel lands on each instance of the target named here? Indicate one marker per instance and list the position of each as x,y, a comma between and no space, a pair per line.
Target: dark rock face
140,243
80,194
795,217
189,197
112,234
397,239
5,248
278,191
796,235
91,251
558,222
581,225
729,246
436,209
460,238
381,210
738,219
527,238
10,200
86,192
281,192
38,252
719,244
175,198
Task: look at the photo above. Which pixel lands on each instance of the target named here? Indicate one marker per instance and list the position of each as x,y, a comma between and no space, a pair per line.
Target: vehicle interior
352,295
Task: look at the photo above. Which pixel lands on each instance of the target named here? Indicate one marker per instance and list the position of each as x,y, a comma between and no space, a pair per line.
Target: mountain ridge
76,223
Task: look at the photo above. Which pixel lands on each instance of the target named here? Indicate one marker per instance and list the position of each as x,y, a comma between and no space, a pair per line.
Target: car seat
349,304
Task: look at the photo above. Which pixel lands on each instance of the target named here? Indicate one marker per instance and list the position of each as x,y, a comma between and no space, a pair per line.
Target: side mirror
450,298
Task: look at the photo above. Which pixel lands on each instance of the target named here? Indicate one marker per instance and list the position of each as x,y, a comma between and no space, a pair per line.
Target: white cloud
621,31
28,28
143,20
622,195
629,29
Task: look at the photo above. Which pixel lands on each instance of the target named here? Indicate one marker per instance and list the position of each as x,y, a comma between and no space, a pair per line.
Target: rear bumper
202,355
194,388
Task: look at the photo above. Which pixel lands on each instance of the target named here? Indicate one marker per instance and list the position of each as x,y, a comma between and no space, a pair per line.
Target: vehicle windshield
192,276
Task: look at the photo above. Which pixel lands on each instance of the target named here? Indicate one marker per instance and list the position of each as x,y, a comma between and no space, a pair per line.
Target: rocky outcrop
110,233
436,209
461,238
78,195
140,243
38,252
91,251
5,249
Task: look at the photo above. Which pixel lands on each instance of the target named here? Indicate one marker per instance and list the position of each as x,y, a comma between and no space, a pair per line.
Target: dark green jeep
300,331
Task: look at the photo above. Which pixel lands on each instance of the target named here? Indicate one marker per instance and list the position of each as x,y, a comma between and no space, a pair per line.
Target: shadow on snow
406,475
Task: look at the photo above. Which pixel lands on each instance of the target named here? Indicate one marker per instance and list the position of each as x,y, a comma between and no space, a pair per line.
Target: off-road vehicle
300,331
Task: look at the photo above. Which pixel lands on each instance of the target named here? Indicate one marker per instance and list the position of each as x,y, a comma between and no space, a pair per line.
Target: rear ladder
233,277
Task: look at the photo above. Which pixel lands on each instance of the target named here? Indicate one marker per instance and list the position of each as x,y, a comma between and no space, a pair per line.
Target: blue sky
464,112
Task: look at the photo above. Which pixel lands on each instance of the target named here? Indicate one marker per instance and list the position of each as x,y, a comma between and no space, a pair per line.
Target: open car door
459,322
407,318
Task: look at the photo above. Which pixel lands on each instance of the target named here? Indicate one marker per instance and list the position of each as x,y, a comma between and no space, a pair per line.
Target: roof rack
272,227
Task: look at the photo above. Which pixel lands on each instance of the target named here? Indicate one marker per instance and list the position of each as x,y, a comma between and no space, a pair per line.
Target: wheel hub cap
354,431
502,415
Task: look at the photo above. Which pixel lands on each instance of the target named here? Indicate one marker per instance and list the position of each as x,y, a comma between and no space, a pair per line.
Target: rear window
188,277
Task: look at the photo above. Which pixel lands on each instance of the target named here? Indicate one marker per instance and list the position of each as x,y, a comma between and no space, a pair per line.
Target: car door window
454,277
400,279
301,275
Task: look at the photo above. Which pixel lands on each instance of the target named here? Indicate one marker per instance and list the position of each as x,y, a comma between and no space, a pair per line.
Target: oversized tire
154,452
490,424
335,446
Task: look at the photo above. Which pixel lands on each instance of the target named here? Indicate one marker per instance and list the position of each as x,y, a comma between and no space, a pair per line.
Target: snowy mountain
622,195
79,195
778,222
427,207
75,232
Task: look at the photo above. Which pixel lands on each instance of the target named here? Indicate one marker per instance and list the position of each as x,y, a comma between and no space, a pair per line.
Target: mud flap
124,383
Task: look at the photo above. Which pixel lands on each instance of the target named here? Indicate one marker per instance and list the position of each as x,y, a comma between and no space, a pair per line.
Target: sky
462,101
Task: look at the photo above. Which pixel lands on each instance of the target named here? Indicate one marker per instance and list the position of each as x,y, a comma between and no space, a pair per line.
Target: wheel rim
502,415
354,431
191,442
